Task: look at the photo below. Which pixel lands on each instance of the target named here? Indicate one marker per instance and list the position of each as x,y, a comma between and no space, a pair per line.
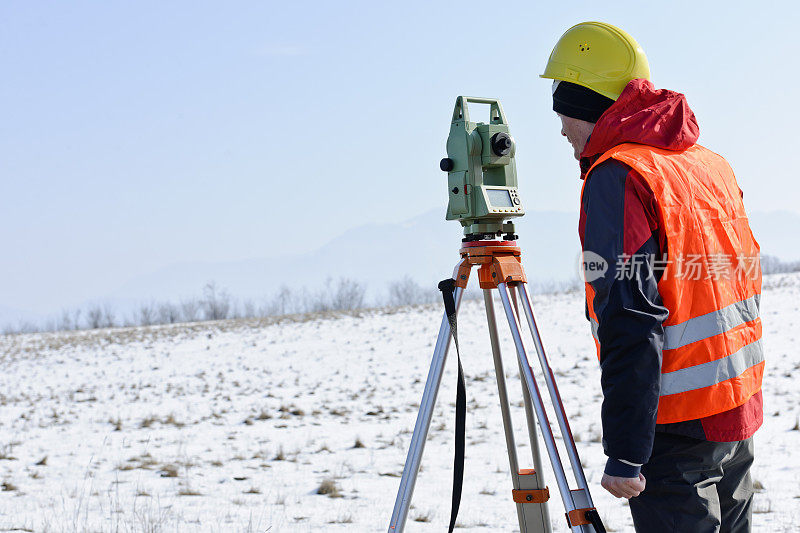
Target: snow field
238,425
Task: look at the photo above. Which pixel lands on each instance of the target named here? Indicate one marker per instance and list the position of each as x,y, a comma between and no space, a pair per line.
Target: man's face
577,133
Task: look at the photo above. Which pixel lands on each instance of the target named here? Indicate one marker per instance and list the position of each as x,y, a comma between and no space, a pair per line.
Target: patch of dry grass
329,488
169,470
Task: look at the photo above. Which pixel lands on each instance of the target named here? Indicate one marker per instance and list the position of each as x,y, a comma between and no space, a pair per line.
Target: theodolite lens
501,144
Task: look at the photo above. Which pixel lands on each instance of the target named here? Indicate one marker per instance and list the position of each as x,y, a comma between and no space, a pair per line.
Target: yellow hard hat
598,56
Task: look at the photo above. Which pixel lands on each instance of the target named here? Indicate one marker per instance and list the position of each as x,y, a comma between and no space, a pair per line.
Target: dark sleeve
616,226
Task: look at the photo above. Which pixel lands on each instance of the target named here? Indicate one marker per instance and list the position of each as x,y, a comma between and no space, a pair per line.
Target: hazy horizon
141,136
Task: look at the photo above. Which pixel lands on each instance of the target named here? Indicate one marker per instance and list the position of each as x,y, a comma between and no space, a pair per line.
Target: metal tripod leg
533,517
572,500
561,416
529,414
417,446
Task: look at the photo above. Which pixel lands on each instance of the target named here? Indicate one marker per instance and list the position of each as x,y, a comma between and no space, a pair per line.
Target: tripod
500,268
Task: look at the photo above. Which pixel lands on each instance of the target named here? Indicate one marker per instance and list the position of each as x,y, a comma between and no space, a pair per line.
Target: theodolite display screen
499,197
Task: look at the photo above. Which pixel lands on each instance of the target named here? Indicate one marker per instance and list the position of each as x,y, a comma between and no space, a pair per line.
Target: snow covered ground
236,426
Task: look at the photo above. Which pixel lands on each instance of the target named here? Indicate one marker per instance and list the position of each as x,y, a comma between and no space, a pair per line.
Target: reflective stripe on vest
711,324
706,374
713,372
704,326
712,358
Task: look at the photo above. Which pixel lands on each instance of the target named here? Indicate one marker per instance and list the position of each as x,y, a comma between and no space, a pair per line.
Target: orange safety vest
712,355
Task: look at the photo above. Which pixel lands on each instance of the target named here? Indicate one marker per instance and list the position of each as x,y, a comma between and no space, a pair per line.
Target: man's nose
563,134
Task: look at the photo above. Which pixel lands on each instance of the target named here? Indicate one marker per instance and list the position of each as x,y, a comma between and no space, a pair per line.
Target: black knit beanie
576,101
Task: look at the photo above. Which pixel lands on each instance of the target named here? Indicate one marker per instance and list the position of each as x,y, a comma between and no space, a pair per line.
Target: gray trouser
695,486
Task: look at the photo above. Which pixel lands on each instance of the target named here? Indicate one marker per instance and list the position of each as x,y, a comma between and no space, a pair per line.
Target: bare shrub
345,294
23,326
349,295
243,309
216,302
770,264
556,286
406,291
773,265
64,322
268,308
93,317
314,302
283,301
108,317
190,310
146,315
99,317
168,313
341,295
248,309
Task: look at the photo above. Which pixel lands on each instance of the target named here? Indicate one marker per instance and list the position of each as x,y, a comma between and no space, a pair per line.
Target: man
675,315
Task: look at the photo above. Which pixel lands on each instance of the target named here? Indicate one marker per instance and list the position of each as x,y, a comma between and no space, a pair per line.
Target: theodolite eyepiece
501,144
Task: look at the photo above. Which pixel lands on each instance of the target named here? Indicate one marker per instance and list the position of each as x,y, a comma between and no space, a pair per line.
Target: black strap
447,287
594,518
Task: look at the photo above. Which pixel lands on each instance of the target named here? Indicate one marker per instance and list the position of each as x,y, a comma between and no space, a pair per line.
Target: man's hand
623,487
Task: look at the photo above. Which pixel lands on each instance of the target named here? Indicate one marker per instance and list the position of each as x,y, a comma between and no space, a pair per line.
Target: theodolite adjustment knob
446,164
501,143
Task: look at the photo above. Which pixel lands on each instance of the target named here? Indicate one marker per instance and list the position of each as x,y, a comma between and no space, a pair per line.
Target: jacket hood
644,115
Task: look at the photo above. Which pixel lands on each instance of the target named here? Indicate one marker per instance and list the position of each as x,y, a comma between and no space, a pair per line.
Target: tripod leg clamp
531,496
580,517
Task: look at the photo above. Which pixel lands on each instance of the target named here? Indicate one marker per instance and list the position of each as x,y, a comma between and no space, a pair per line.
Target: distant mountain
424,247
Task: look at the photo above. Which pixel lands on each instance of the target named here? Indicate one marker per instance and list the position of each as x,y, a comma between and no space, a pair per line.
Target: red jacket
619,215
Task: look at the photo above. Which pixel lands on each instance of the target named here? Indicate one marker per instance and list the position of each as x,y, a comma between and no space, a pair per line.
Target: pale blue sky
134,135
